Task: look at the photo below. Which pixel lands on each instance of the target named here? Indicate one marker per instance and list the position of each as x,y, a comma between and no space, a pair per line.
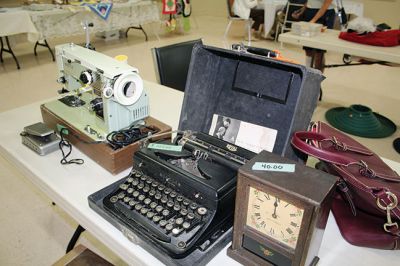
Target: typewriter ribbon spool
128,88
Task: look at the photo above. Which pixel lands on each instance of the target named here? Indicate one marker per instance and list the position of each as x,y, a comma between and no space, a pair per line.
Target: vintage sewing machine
103,96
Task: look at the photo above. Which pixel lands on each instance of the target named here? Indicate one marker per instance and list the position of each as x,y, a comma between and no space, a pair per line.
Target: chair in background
232,17
172,63
285,20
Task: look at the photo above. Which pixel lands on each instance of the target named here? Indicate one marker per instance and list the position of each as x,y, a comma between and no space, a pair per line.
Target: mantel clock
281,212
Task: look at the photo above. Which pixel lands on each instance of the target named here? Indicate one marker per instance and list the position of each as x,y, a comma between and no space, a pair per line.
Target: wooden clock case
306,188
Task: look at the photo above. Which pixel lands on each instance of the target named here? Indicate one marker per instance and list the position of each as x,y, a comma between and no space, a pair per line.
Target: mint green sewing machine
104,95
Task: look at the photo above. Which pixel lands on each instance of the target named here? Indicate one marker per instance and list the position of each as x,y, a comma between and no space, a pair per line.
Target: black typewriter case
250,88
246,87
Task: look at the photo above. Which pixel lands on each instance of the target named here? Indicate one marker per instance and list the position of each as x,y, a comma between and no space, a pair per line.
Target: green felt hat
359,120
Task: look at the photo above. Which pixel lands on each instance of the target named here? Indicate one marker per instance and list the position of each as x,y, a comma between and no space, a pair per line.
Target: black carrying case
251,88
245,87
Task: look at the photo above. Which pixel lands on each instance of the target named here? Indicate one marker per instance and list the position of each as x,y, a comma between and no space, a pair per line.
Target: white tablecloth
17,21
272,6
67,21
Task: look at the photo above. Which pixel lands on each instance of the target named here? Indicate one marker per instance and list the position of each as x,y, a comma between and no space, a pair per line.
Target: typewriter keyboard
162,212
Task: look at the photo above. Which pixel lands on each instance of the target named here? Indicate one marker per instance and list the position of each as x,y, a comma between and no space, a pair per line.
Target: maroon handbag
366,208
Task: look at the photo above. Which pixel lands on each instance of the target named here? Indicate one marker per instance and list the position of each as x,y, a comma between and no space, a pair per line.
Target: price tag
274,167
165,147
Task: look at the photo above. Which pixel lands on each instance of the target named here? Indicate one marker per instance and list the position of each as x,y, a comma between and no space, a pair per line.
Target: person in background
322,12
246,9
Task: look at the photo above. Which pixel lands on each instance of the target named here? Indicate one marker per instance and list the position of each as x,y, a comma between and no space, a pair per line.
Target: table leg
317,61
137,28
8,50
79,230
45,44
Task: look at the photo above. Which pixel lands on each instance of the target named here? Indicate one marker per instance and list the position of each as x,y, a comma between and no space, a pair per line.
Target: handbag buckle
340,146
368,172
388,208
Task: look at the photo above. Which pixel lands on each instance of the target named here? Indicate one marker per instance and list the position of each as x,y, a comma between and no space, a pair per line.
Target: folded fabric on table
377,38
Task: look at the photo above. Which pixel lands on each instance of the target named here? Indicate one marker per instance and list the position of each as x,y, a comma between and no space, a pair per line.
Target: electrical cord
65,143
124,137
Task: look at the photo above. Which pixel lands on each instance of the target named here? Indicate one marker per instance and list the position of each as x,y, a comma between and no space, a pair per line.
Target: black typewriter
176,202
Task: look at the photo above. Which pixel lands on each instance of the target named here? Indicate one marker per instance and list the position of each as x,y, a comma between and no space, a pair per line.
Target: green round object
359,120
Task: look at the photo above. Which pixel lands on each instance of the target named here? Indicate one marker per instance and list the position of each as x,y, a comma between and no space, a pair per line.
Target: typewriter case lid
250,88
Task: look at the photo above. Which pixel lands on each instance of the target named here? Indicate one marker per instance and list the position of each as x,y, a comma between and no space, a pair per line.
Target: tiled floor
34,232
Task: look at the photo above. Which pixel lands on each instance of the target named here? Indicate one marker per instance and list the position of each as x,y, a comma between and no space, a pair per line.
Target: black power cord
124,137
65,143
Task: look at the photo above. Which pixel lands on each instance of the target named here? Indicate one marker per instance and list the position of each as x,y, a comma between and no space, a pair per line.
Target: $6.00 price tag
274,167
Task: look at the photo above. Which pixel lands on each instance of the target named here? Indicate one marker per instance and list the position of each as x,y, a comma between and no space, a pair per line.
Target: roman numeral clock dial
274,217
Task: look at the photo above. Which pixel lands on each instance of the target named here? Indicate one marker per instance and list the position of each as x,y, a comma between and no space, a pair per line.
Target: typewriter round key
193,205
186,202
150,214
132,203
169,227
153,205
165,212
138,174
179,221
144,211
143,177
177,207
176,231
167,191
179,198
146,189
138,207
154,184
141,197
135,182
130,190
129,179
159,208
183,212
121,195
127,199
172,194
123,186
161,187
152,192
157,218
163,223
170,203
186,225
190,216
164,199
158,196
147,201
171,221
201,211
135,193
140,185
114,199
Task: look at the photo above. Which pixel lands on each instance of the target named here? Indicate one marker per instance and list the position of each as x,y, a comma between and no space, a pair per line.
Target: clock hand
275,206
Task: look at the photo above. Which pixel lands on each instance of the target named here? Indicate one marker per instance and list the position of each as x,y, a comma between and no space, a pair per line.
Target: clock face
274,217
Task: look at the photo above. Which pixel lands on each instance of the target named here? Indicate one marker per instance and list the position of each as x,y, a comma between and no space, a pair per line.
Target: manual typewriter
178,200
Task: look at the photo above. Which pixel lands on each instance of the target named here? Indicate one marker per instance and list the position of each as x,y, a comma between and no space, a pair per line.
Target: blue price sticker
274,167
165,147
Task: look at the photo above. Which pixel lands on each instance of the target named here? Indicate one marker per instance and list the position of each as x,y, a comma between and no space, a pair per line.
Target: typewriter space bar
143,221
